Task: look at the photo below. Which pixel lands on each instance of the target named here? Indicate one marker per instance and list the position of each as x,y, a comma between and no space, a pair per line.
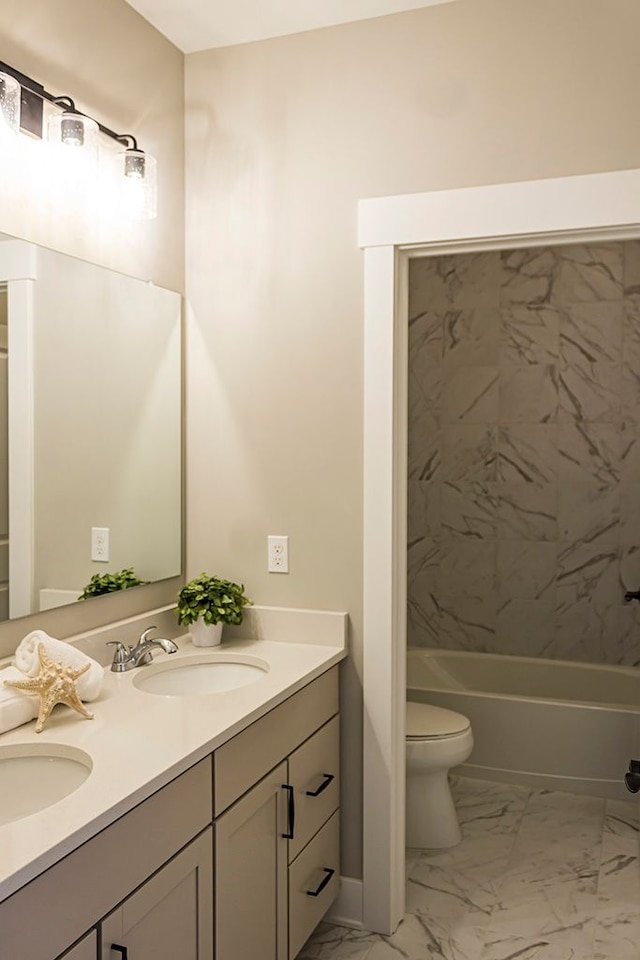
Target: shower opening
499,497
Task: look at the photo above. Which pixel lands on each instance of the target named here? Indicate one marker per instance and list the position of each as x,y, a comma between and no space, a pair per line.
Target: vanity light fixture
22,101
140,182
10,102
71,130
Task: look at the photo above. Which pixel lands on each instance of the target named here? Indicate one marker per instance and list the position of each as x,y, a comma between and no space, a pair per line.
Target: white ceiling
202,24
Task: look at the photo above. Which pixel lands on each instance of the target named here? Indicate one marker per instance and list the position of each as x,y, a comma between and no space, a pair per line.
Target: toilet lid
424,720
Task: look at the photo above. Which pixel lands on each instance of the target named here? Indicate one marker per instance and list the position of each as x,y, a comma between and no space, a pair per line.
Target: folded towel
26,660
16,706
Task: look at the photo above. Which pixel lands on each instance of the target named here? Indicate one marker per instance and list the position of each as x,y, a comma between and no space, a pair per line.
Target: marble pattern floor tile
332,942
574,942
454,894
488,807
422,938
539,875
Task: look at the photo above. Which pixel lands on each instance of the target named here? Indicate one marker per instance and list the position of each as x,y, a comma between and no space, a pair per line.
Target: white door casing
391,230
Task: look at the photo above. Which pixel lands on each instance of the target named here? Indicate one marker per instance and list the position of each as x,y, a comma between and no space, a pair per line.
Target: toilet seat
426,722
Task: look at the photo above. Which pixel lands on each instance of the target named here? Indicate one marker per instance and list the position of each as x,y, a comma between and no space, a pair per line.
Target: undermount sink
34,776
201,675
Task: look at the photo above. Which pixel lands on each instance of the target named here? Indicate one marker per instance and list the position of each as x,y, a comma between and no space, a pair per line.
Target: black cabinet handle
325,880
121,950
328,777
291,812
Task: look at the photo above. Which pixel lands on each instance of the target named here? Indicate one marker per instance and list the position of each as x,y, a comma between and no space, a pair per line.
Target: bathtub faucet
631,595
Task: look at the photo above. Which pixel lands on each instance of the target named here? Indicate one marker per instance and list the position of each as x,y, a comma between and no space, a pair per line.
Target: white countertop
139,741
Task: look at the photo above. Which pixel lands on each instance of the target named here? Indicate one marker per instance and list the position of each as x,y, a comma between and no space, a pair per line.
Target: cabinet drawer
249,756
314,774
314,879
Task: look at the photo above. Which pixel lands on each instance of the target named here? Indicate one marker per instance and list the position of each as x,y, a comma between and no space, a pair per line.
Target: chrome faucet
126,657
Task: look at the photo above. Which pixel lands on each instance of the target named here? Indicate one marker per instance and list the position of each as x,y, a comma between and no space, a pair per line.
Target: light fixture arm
127,140
65,102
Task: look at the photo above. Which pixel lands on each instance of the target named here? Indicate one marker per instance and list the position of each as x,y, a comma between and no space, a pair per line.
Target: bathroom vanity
230,851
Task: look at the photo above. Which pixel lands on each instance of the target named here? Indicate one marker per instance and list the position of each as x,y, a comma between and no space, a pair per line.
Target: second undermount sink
197,676
35,776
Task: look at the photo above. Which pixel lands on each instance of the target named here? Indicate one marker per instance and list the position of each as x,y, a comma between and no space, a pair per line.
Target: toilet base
432,821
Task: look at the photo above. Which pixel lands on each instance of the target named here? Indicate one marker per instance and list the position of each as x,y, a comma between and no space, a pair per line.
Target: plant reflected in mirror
102,583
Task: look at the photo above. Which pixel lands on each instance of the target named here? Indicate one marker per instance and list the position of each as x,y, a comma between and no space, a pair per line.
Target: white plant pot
205,635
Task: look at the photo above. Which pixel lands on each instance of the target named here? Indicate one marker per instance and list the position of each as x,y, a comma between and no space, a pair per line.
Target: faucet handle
120,656
145,633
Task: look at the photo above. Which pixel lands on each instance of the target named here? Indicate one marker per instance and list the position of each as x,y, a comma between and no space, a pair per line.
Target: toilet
437,739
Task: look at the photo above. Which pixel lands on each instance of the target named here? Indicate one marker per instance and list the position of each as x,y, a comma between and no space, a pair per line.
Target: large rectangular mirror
90,428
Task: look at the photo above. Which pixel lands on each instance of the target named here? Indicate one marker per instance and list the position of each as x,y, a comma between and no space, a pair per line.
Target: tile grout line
500,885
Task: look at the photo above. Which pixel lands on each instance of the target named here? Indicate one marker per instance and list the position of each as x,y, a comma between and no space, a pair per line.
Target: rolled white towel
26,660
16,706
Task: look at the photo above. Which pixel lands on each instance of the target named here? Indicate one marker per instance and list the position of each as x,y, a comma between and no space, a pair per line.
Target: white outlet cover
100,544
277,554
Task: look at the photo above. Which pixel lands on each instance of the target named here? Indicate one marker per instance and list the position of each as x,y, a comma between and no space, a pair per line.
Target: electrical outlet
100,544
278,554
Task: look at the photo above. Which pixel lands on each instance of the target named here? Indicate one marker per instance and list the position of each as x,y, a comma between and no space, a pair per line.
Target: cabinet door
251,874
86,949
169,916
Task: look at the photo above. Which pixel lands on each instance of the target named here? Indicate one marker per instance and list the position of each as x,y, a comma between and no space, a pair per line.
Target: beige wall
283,138
125,74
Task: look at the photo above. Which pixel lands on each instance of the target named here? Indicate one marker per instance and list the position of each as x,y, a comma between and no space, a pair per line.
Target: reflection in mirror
4,459
92,415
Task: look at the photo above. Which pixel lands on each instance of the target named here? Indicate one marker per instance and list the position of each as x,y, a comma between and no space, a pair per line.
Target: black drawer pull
291,812
121,950
328,777
325,880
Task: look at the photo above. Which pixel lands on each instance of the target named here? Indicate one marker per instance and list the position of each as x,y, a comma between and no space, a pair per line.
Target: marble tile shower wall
524,452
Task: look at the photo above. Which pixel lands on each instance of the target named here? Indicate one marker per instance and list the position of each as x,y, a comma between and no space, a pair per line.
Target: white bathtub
548,723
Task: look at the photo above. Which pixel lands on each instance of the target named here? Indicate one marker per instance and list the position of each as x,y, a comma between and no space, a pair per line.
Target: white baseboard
347,908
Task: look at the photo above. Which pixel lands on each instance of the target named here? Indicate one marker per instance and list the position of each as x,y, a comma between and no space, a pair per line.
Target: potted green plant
110,582
206,603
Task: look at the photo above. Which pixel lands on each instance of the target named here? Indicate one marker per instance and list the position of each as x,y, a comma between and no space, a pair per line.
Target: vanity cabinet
277,841
85,886
245,842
